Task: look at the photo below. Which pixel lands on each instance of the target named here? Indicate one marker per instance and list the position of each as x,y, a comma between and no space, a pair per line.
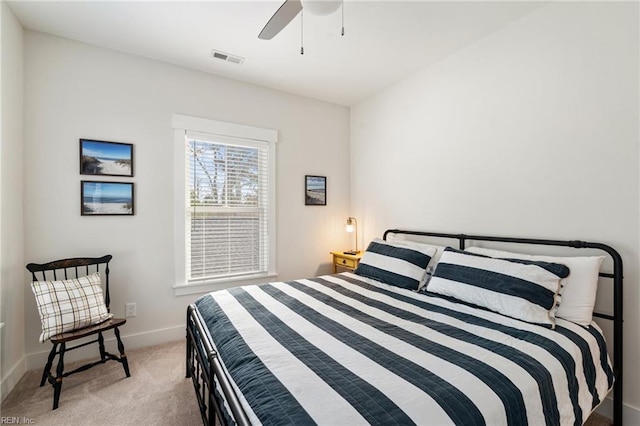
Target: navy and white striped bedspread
344,350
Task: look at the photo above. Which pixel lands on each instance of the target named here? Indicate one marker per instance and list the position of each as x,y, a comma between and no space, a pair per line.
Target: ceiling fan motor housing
321,7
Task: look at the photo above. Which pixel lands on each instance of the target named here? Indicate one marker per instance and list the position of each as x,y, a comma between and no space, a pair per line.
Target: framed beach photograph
106,198
106,158
315,190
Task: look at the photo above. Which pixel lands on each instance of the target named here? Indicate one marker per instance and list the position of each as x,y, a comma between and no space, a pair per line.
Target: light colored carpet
597,420
157,393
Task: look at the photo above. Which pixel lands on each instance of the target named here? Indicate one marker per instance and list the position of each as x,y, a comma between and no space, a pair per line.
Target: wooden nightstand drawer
345,261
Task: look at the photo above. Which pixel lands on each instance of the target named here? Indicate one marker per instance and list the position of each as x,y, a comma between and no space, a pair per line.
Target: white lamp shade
348,228
321,7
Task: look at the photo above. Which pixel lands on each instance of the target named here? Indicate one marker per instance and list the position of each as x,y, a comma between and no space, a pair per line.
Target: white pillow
579,288
395,263
69,305
523,289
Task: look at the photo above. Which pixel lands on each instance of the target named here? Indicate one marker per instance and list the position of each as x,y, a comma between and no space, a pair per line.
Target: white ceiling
384,41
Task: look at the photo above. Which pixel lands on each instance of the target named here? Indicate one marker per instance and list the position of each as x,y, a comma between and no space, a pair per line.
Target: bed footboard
216,397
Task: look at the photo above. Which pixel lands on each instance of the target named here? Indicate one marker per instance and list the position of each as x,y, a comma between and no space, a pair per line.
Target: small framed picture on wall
106,158
106,198
315,188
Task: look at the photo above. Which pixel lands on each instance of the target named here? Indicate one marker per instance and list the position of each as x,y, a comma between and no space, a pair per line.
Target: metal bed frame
218,400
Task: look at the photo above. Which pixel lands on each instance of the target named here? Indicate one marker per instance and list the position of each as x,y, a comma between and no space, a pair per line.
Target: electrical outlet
130,310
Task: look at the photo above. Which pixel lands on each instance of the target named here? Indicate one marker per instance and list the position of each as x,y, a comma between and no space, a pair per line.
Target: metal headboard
616,276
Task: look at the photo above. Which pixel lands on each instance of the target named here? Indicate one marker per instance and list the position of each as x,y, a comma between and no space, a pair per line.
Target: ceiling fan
291,8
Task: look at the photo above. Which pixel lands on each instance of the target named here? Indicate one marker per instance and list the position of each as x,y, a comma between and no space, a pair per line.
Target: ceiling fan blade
280,19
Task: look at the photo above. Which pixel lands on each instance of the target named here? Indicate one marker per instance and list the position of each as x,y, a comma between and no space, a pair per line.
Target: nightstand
345,261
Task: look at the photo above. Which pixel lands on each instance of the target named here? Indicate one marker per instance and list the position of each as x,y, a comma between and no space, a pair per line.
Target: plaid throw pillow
69,305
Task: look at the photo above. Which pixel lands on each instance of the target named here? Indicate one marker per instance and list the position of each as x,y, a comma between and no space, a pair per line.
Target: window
227,204
226,209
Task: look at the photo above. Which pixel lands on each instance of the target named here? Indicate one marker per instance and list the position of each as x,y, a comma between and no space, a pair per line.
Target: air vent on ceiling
216,54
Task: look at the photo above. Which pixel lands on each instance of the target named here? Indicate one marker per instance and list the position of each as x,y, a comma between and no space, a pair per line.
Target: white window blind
227,207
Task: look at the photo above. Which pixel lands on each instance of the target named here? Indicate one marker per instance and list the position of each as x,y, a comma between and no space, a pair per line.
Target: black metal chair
68,269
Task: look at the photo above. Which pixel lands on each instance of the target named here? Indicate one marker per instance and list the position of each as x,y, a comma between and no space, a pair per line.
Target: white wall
531,131
12,285
74,90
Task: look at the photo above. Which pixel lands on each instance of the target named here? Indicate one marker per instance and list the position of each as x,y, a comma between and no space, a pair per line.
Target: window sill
220,284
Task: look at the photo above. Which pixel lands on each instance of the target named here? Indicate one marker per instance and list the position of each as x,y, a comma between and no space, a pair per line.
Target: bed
354,349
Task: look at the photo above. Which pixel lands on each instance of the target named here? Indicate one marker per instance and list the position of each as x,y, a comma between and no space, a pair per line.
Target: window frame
182,125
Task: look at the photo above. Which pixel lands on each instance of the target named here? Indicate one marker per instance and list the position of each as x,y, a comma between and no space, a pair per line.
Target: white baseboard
37,360
631,415
10,380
